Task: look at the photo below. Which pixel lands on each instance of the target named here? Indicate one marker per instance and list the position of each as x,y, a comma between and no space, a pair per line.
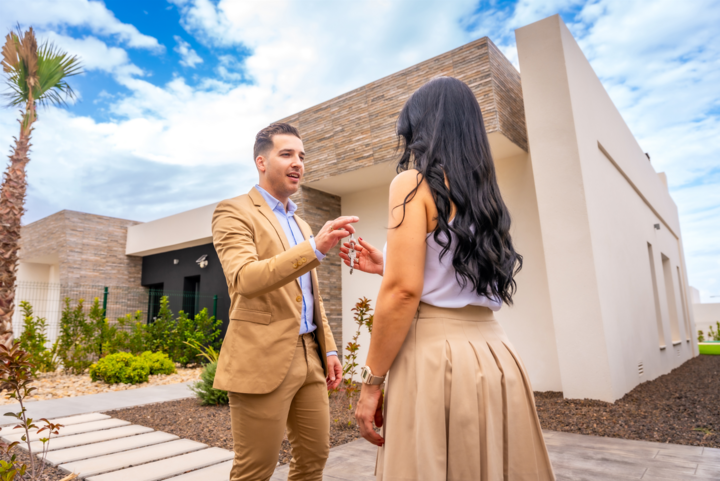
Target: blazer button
298,298
295,265
304,260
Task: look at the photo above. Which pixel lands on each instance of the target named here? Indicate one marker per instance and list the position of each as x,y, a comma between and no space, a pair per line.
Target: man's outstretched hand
334,372
333,231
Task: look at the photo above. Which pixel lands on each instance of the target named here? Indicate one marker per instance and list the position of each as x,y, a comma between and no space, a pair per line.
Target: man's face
283,166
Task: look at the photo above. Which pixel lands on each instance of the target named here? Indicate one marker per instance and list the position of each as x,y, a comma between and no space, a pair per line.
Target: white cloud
95,54
52,14
189,57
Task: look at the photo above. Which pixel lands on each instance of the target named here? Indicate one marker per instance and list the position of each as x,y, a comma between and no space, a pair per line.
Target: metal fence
48,302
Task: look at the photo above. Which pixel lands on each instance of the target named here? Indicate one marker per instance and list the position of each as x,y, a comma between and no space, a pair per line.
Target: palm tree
36,76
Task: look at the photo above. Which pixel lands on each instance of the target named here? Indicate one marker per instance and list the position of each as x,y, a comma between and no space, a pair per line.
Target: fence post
215,307
105,295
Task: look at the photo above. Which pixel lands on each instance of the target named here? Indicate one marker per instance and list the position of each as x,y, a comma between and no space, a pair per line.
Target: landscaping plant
75,341
33,340
35,76
126,368
204,389
714,335
16,375
363,318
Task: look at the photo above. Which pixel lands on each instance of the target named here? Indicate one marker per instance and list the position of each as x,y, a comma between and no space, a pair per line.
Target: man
278,358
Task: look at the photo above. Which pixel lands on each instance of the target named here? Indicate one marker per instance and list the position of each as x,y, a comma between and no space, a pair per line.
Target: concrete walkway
107,401
575,457
100,448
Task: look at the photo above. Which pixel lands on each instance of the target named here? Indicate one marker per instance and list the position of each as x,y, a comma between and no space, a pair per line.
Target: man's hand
369,409
334,372
333,231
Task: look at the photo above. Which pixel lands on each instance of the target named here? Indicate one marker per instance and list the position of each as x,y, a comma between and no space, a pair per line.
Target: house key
351,253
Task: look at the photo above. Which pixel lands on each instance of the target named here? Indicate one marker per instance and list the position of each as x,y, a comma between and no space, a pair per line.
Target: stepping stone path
99,448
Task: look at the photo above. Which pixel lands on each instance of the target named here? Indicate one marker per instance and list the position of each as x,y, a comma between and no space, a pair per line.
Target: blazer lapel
267,212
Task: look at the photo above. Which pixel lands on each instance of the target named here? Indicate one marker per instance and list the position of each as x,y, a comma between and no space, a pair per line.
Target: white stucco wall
598,198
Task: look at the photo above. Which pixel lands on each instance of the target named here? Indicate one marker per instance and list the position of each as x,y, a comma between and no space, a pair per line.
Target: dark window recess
155,292
191,296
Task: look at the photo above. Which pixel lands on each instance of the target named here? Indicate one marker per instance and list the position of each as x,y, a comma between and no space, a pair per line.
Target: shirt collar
275,204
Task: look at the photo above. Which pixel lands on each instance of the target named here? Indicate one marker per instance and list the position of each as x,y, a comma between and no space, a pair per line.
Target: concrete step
78,453
70,430
134,457
67,421
87,438
168,467
217,472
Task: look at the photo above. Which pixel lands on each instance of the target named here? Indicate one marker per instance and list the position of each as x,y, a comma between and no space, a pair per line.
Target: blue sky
175,90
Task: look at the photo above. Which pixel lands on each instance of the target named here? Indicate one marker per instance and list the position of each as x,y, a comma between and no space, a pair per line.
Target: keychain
351,253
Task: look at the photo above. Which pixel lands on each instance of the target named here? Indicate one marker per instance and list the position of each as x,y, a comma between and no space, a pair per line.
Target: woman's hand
369,409
367,257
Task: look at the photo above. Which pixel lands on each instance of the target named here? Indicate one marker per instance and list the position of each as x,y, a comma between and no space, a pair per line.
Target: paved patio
101,448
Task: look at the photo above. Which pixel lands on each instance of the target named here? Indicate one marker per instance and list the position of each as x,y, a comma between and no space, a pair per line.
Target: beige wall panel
529,322
565,227
706,315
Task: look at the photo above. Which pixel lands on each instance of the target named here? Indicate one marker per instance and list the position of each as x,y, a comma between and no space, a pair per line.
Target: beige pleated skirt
459,405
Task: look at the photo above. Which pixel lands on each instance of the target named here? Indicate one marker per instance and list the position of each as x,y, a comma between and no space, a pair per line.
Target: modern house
602,302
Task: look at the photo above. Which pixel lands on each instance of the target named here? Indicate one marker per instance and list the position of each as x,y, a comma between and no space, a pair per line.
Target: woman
458,402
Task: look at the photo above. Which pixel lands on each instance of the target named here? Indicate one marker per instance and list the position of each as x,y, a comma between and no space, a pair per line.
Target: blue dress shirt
294,237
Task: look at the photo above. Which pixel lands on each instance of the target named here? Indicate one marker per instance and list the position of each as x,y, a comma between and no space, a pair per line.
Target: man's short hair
264,138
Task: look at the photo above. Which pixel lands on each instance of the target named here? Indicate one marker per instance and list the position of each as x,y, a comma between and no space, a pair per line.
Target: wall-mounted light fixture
176,261
657,226
202,261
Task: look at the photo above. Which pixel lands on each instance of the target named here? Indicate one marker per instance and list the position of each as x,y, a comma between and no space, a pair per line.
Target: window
155,292
671,300
658,317
191,296
686,318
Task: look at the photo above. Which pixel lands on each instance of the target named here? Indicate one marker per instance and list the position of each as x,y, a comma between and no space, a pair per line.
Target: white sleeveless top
441,288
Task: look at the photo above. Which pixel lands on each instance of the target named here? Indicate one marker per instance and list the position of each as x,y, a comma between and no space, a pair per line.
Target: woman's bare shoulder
405,182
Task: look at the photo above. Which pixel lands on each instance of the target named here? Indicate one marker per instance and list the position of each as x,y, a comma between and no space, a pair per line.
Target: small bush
158,362
33,340
121,367
204,387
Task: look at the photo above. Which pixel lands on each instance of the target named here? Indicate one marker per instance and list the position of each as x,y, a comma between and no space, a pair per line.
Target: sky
175,90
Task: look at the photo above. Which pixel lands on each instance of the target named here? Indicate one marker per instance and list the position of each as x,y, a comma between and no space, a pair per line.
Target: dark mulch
680,407
50,473
189,419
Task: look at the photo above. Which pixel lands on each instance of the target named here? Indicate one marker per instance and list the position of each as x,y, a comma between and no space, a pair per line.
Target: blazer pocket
248,315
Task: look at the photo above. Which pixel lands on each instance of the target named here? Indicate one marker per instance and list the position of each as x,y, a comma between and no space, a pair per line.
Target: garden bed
56,385
680,407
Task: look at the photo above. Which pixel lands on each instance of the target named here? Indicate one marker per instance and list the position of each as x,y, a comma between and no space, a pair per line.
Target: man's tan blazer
262,274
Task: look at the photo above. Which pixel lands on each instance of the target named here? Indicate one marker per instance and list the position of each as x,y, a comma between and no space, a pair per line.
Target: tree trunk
12,208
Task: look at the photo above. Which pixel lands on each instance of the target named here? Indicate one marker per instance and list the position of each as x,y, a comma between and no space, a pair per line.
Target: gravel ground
189,419
56,385
50,473
680,407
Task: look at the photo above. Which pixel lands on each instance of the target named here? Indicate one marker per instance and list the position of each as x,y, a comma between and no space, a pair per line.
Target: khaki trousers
300,403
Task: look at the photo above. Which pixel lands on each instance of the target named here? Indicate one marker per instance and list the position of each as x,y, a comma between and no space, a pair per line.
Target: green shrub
204,387
33,340
160,332
121,367
158,362
203,330
76,339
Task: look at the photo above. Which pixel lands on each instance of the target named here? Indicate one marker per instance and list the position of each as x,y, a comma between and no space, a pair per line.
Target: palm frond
10,57
38,70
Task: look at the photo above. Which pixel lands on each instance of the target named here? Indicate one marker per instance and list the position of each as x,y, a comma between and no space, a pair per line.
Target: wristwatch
367,377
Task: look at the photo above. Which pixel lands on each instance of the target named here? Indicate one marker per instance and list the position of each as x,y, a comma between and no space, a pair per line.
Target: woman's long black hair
442,134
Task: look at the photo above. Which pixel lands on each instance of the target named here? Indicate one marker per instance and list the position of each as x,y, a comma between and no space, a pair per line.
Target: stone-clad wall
357,129
90,248
316,208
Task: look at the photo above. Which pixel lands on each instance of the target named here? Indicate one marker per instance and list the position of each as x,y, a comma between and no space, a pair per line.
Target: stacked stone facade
90,248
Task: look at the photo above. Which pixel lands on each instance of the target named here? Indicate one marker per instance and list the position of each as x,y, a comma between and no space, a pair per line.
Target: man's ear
260,164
